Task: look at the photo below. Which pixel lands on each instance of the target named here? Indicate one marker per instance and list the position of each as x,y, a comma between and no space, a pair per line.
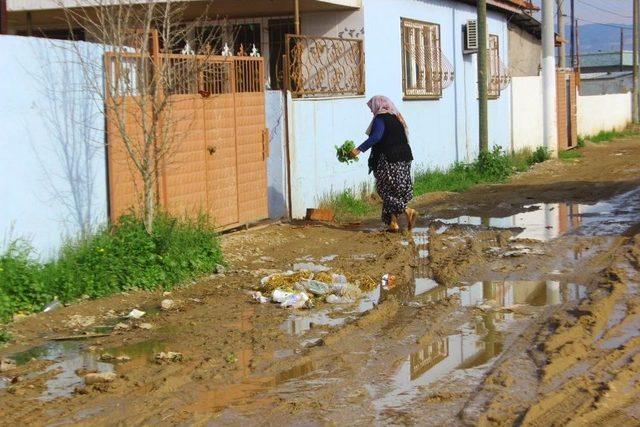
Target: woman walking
390,161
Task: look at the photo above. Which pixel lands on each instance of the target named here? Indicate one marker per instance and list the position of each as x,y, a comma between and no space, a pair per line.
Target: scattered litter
77,321
338,278
136,314
105,357
167,304
166,293
220,269
267,259
315,287
121,327
309,266
123,358
335,299
99,378
53,305
294,300
145,326
169,356
7,365
347,290
388,282
258,297
280,296
328,258
196,300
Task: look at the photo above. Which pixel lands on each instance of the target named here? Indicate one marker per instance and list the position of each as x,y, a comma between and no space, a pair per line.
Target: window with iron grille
494,67
421,60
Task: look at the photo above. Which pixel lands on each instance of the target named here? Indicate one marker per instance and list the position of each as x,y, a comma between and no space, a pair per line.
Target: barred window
494,67
421,60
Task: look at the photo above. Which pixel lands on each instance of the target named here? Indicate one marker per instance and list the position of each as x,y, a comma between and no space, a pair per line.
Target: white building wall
52,153
603,113
526,113
441,131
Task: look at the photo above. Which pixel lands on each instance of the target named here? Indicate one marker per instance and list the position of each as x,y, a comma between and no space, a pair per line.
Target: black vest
394,144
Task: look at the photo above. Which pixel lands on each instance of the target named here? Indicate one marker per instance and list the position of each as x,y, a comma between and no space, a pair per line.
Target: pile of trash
304,289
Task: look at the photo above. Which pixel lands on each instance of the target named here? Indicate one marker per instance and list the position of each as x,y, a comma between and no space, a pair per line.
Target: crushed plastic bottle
53,305
315,287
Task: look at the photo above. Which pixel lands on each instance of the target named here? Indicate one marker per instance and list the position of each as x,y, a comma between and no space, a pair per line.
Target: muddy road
513,304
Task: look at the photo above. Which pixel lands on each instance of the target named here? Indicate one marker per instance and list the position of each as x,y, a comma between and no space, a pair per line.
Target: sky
600,11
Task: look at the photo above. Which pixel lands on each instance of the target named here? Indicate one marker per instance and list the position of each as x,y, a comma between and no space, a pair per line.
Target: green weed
569,155
491,167
350,205
541,154
606,136
5,336
119,257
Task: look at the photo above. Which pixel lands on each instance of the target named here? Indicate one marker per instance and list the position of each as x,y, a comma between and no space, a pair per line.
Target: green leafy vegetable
343,153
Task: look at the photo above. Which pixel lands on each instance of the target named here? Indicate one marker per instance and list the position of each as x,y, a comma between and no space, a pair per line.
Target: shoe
412,216
393,225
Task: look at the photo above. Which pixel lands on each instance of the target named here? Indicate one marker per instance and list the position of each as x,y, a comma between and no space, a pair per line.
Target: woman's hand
355,153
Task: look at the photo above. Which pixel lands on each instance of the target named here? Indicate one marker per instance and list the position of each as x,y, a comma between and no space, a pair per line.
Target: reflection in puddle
299,323
474,345
546,221
69,357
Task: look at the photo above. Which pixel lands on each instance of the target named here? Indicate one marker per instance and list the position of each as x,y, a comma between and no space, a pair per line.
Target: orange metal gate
217,164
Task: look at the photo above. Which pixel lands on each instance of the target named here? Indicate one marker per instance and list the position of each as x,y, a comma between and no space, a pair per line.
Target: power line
604,10
604,25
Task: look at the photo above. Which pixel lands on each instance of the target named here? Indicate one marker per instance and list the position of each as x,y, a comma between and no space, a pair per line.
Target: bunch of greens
343,153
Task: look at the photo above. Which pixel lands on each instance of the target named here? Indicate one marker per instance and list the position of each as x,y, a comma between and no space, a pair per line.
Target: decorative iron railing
324,66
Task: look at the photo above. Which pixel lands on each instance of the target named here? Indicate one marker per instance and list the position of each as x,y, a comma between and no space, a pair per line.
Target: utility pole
573,34
562,53
483,120
636,46
550,131
621,48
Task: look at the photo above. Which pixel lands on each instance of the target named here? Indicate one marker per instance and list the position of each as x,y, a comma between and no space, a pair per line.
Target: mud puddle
71,359
470,352
547,221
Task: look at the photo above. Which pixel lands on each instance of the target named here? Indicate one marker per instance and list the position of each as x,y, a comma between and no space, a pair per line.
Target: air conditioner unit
471,36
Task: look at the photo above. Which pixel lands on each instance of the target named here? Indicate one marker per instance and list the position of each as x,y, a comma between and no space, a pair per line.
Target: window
421,60
494,67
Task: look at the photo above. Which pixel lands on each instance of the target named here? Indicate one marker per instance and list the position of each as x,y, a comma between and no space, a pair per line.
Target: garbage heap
306,289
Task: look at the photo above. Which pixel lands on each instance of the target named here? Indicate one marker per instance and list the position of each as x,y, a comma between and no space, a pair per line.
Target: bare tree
152,51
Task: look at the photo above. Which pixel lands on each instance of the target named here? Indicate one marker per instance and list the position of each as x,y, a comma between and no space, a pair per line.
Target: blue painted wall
52,163
276,164
441,131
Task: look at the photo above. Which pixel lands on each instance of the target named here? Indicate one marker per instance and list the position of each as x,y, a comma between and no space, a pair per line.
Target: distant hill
599,38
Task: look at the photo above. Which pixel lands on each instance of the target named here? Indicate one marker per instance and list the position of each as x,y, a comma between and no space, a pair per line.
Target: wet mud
513,304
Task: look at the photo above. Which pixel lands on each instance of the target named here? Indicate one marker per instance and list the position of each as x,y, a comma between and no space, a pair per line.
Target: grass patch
491,167
606,136
119,257
5,336
569,155
349,204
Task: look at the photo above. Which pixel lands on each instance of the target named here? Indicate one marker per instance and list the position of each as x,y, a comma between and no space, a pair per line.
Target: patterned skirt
393,184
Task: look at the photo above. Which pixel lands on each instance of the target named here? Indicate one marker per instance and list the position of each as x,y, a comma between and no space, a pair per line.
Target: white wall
526,113
603,112
441,131
52,162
